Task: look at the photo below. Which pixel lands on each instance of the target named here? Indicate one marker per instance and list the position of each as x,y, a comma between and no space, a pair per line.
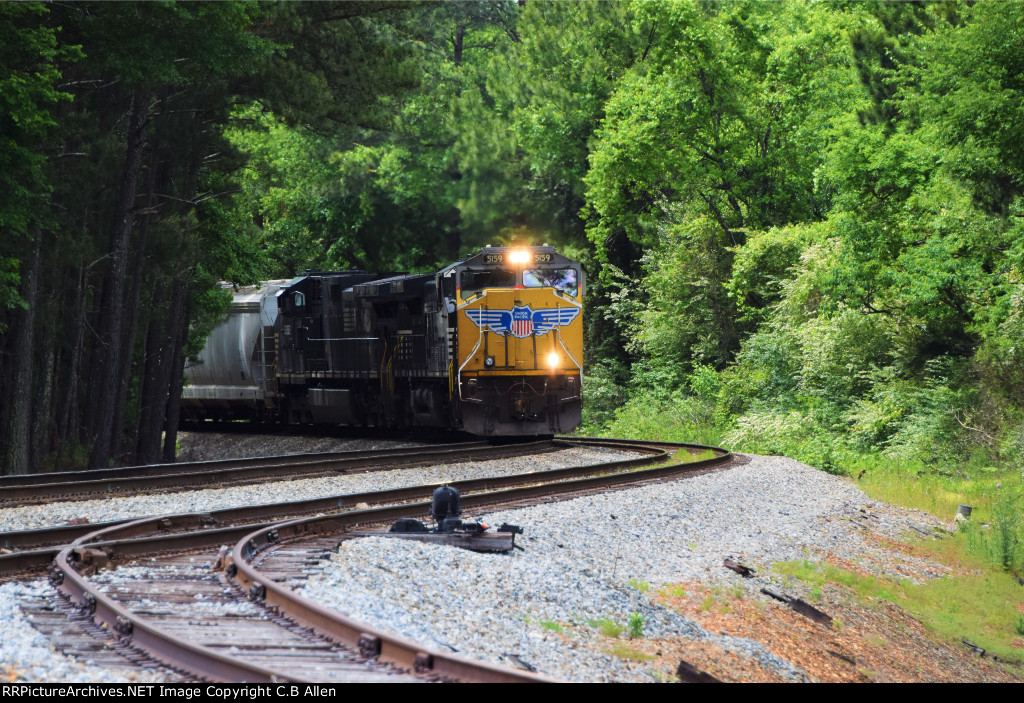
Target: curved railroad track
28,551
108,483
213,580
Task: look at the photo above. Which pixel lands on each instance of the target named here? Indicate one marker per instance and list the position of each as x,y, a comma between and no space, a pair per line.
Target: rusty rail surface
116,543
149,479
35,549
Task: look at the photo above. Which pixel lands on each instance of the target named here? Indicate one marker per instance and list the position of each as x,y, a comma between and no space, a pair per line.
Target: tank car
492,345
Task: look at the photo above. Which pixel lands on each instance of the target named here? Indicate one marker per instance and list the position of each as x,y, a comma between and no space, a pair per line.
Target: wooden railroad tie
800,606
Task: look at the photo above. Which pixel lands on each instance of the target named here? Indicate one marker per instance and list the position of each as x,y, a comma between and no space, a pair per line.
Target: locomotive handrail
558,331
479,339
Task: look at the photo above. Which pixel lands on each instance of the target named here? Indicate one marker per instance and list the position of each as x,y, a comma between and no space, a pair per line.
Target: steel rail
34,558
97,549
106,612
12,496
373,641
211,465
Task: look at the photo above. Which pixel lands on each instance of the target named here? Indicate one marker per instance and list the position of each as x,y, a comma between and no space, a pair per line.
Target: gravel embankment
581,557
26,655
52,514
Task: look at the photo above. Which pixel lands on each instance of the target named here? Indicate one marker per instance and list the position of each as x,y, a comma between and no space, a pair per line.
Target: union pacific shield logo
522,321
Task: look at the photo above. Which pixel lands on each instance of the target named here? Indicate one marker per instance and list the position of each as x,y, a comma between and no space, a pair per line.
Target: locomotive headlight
519,256
489,362
553,360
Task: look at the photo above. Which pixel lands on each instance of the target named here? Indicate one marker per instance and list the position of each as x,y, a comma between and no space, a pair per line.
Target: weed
973,605
674,591
607,627
636,626
639,585
709,600
816,593
623,651
1019,627
876,640
995,494
552,626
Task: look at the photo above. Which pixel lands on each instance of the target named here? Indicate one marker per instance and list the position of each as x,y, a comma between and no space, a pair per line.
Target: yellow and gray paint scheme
518,365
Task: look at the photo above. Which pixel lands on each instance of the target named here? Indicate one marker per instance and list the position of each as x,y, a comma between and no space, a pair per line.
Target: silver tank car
233,376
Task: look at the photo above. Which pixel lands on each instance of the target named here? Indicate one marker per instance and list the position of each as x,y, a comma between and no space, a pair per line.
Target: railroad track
28,551
243,576
85,485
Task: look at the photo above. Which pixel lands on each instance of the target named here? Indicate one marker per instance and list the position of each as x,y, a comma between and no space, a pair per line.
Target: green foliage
802,223
552,626
366,207
623,651
676,419
29,93
607,627
636,626
604,396
640,585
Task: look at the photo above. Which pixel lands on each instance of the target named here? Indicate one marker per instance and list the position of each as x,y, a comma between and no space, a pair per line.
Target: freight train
492,345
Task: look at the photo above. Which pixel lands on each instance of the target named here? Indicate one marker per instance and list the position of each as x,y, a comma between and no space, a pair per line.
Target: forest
802,222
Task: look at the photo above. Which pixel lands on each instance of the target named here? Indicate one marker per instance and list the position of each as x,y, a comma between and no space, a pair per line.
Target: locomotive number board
500,258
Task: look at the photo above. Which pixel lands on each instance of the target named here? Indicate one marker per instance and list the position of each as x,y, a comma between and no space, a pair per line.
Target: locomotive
491,345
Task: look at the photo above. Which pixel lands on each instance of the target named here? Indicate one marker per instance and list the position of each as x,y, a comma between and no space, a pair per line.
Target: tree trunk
111,324
44,435
68,431
179,326
131,306
156,377
14,458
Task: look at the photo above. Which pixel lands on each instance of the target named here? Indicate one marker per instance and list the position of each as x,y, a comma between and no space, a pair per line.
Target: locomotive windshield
563,279
475,281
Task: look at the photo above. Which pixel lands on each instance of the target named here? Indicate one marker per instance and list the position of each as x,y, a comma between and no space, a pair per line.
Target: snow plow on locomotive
492,345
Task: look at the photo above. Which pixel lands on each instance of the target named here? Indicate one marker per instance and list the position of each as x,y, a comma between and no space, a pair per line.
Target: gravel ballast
129,507
600,558
27,656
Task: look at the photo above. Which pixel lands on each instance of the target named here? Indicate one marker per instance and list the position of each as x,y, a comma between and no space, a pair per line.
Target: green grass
686,456
674,591
552,626
624,651
607,627
639,584
981,608
996,495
